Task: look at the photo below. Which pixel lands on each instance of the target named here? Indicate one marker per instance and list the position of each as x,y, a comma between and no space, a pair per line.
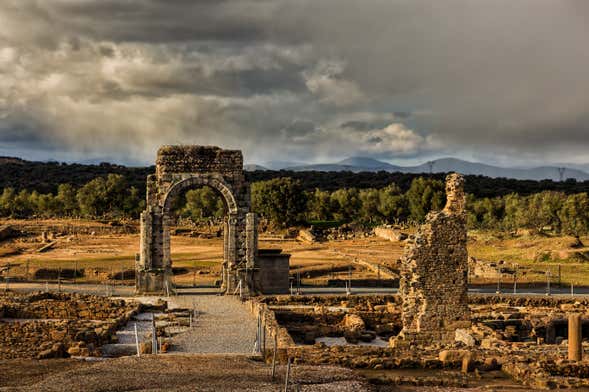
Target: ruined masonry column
434,270
251,238
575,338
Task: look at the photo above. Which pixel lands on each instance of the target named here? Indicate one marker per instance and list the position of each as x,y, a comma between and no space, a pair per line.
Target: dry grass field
92,247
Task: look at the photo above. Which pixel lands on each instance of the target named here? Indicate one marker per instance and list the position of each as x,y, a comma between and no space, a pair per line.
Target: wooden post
575,337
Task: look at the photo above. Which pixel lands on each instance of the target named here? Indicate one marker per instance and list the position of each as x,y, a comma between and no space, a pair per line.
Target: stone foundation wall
49,325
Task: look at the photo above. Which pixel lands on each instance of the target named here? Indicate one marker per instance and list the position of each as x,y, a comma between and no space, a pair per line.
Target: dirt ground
170,373
197,260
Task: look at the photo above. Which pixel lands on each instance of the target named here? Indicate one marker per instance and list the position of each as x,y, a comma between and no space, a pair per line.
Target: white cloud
326,81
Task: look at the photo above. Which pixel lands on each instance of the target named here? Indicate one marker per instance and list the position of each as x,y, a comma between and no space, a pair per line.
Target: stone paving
223,325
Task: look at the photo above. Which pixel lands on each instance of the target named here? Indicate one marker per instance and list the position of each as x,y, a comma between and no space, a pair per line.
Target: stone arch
230,239
179,168
195,181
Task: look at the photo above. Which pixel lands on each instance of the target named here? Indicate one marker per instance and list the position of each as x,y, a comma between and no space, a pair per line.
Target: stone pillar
153,272
232,274
434,271
575,338
251,239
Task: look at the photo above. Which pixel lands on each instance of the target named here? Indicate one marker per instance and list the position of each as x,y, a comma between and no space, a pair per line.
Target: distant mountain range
365,164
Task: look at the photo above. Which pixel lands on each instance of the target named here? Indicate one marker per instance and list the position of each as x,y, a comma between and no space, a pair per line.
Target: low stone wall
64,306
49,325
275,336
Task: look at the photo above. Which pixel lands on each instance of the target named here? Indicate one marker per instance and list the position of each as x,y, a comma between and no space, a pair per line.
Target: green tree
23,207
423,196
66,197
574,215
133,203
346,204
370,202
92,198
393,205
319,206
515,212
281,200
203,203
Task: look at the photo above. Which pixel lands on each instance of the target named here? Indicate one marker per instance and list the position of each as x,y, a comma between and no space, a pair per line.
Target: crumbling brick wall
434,274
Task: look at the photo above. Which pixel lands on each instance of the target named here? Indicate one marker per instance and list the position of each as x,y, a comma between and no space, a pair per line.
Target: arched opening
197,219
198,239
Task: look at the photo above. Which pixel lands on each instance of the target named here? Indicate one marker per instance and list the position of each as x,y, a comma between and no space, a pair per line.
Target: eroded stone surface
434,274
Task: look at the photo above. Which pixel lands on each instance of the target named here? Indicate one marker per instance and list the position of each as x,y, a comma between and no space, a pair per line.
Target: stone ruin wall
434,274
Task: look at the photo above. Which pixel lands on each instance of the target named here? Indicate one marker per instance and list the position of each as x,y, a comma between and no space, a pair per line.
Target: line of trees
109,196
548,210
286,202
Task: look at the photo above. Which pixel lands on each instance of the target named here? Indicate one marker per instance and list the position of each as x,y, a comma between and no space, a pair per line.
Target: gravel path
167,373
223,325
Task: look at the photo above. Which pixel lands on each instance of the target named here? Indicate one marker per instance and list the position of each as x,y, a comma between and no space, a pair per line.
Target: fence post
287,375
137,341
274,355
572,289
153,335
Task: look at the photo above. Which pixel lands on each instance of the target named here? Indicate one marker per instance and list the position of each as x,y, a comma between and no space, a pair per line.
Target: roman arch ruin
179,168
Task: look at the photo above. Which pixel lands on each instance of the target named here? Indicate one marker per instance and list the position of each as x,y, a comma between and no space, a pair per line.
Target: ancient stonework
179,168
434,272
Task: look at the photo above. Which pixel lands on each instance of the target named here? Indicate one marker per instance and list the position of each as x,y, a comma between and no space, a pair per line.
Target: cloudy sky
501,81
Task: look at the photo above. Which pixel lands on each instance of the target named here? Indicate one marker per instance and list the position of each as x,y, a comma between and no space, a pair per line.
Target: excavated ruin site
432,334
511,340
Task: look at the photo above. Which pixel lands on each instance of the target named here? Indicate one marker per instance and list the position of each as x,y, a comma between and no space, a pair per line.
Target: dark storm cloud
502,80
163,21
